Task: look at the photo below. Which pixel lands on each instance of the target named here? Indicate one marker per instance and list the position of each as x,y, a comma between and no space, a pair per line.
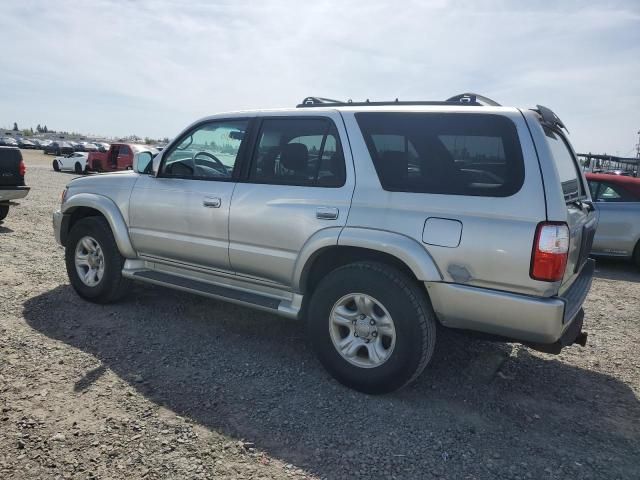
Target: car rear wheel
78,168
56,166
636,255
4,211
93,261
372,327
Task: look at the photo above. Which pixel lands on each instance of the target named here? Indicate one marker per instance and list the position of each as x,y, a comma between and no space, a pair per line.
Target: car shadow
252,376
617,269
4,229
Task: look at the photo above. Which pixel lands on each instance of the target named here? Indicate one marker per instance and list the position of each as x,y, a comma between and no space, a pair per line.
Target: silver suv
375,222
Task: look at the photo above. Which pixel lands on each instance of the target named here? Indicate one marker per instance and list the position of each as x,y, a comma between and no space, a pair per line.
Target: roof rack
469,99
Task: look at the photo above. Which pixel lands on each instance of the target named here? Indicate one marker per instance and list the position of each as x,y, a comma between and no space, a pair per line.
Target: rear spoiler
549,118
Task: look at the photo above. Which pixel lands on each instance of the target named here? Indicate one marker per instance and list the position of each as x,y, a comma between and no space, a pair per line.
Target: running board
241,297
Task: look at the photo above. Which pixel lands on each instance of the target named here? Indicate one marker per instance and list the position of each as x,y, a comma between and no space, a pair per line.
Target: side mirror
142,162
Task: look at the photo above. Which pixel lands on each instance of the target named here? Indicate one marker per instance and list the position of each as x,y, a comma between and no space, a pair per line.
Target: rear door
297,185
619,214
581,217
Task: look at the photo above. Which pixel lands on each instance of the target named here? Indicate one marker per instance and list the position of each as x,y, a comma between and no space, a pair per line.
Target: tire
77,168
636,255
110,285
396,296
56,166
4,211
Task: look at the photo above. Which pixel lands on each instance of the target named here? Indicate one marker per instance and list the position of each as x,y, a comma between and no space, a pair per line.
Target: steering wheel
223,167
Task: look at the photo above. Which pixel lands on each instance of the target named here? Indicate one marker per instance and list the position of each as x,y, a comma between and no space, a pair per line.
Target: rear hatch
581,216
11,167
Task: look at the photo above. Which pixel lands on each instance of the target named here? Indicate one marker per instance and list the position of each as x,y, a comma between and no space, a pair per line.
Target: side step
208,289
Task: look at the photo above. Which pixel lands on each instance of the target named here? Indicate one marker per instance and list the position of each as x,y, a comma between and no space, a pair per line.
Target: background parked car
76,162
102,146
12,185
23,143
617,200
59,148
8,142
90,147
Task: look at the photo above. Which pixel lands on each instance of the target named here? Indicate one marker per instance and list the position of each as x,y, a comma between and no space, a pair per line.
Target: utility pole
638,146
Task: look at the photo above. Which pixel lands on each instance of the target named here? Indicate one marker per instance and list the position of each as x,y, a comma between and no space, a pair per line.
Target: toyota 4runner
374,222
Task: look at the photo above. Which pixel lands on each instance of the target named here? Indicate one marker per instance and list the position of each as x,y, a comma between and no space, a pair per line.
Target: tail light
22,169
550,252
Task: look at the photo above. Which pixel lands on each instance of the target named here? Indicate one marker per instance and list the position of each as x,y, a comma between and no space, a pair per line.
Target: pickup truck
12,186
118,157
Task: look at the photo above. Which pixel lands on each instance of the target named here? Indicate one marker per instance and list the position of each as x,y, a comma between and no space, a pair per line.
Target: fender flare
111,213
407,250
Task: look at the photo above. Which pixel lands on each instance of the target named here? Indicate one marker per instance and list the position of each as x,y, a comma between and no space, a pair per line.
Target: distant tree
15,127
165,139
39,129
31,130
45,129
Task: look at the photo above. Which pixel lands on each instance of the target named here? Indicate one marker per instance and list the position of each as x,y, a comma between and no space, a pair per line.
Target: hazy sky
152,67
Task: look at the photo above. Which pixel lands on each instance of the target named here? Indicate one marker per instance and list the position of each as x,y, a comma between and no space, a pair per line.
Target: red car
118,157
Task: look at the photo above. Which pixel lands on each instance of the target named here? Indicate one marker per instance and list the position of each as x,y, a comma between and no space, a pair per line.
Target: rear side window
456,154
300,151
565,164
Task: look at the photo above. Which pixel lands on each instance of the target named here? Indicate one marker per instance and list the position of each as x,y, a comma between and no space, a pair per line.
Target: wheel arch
359,244
85,205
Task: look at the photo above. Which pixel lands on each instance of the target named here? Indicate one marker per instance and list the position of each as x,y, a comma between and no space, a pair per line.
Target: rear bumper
13,193
527,319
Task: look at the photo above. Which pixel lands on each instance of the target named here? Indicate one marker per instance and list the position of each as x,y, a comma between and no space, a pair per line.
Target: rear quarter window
445,153
565,164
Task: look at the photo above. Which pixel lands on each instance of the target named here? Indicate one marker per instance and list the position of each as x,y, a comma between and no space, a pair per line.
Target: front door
181,215
297,185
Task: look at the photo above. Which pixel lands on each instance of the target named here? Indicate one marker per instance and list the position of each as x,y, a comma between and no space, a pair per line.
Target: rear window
458,154
565,164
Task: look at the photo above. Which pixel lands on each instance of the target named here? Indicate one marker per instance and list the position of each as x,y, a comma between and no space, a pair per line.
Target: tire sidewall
98,229
408,351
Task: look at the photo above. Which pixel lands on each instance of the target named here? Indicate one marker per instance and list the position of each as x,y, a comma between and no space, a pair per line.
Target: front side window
210,151
612,193
298,151
124,150
457,154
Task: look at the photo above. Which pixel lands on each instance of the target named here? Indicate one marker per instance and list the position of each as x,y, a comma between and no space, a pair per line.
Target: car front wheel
56,166
372,327
93,261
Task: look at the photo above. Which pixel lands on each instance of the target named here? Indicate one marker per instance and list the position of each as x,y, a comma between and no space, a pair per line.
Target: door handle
327,213
212,202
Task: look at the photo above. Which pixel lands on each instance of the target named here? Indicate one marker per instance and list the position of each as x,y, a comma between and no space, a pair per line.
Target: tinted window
298,152
124,150
208,152
565,164
460,154
613,193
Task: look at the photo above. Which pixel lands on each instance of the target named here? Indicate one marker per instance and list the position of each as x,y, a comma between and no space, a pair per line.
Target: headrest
295,156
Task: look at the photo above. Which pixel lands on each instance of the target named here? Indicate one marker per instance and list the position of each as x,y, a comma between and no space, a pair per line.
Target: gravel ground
169,385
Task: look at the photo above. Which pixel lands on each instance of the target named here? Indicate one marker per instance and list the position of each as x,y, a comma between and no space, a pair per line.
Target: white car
75,162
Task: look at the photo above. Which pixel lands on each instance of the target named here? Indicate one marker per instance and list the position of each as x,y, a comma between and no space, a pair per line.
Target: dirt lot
169,385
